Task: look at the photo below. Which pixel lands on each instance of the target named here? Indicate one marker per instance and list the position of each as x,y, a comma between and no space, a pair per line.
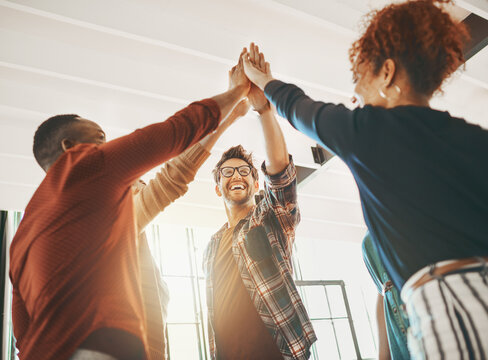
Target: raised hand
258,100
237,77
256,68
256,95
241,109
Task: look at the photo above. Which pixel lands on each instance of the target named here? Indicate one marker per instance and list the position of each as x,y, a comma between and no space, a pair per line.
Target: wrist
241,90
264,81
264,109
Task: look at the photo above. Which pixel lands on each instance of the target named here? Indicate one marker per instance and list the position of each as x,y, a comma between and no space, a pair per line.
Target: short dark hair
235,152
48,137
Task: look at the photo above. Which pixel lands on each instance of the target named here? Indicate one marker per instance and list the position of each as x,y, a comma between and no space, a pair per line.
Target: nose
236,175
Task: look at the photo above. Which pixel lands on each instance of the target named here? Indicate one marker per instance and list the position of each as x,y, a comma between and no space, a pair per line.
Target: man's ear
256,186
67,144
217,190
388,71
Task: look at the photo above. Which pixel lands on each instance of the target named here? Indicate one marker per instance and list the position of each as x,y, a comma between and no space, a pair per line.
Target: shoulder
216,237
83,158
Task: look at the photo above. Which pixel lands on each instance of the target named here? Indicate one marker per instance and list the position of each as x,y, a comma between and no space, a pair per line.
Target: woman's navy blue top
422,175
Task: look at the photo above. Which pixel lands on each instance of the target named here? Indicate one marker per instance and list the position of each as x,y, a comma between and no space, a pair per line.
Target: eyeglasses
228,171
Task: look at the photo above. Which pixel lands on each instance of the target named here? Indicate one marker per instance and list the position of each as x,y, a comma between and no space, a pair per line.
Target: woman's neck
409,100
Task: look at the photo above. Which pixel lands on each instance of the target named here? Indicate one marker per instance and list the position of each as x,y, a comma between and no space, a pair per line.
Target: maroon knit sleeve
130,156
20,317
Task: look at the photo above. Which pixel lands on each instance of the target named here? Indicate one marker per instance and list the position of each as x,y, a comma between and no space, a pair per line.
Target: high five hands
252,67
256,68
256,95
237,77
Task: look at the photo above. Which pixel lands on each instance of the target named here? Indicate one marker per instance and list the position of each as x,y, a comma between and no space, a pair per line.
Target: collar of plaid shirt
261,245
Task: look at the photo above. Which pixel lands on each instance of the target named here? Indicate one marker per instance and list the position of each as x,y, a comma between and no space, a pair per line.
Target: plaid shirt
262,245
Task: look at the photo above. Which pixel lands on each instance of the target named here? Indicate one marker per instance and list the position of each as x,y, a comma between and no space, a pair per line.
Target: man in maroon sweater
73,262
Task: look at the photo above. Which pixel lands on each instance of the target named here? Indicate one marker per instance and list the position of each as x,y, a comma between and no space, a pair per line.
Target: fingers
231,72
251,52
256,55
254,67
246,61
248,64
241,56
262,64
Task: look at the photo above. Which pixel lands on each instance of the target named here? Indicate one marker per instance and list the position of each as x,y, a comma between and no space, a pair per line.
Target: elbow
283,163
276,166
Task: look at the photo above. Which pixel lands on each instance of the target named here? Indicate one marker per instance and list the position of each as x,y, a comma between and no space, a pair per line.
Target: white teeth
237,187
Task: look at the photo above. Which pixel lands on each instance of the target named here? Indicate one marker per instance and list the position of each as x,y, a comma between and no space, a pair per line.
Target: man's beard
242,200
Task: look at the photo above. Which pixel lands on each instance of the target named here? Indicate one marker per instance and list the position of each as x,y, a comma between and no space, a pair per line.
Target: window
329,275
11,224
179,253
320,259
329,311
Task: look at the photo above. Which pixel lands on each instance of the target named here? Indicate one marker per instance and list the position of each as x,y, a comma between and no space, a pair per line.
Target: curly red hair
419,36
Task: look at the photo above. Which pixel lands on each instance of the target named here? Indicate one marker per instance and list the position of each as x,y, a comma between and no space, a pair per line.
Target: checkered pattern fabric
262,246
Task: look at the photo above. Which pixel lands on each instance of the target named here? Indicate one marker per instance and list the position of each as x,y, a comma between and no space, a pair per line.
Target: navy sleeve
332,126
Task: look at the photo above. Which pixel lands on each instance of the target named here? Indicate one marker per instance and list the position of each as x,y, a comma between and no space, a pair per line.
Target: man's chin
238,200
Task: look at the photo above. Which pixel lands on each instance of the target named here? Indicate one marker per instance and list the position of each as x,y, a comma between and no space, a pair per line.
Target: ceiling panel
129,63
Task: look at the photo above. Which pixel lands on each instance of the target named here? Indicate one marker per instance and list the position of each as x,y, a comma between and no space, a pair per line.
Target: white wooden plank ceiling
126,64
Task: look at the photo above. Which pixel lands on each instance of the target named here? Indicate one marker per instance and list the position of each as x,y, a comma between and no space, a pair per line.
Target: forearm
228,100
280,194
276,151
292,104
128,157
209,141
263,80
332,126
383,345
169,184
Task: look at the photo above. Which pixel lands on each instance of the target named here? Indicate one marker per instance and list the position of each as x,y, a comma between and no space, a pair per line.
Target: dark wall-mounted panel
478,29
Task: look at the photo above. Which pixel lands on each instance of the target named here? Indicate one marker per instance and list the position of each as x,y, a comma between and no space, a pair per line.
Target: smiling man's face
237,189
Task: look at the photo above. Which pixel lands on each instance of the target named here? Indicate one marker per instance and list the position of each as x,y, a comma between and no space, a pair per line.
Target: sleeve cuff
195,155
271,87
211,106
283,178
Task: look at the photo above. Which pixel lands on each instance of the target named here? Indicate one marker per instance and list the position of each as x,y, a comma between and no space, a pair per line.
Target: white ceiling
129,63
